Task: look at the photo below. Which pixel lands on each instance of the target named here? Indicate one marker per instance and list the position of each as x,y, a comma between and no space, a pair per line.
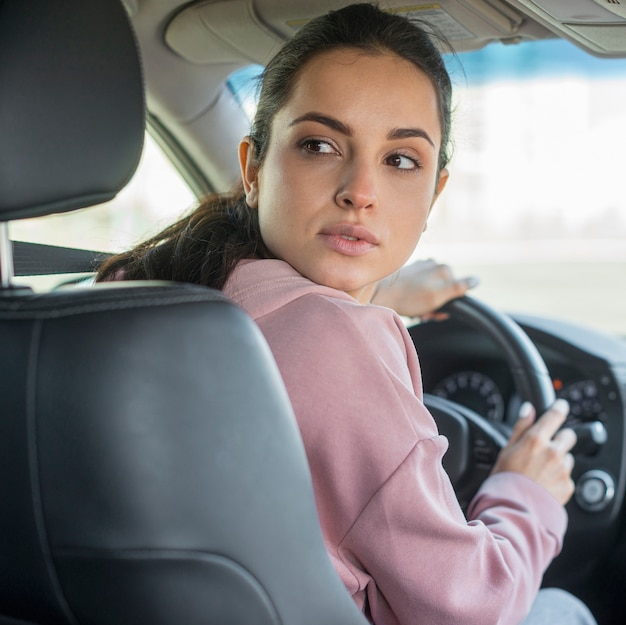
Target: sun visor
598,26
192,34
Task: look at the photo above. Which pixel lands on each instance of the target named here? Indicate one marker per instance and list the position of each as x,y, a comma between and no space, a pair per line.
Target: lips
349,239
351,232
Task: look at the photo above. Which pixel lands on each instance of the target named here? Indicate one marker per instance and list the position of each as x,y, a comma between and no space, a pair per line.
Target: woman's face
350,172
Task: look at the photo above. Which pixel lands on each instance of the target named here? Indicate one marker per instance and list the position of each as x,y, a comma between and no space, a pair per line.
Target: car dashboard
588,369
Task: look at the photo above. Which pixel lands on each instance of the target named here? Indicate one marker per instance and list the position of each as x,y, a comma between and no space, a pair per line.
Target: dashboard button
595,490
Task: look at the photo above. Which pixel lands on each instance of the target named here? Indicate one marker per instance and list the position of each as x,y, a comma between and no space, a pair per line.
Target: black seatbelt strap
36,259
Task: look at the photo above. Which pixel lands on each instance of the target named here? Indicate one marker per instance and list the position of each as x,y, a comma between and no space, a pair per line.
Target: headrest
72,109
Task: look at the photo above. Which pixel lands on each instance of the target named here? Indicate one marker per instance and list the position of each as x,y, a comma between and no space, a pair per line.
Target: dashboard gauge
584,401
474,390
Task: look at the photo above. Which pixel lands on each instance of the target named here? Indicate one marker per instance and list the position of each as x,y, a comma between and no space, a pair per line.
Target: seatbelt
36,259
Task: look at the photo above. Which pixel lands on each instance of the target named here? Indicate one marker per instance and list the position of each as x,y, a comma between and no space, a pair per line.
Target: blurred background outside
536,202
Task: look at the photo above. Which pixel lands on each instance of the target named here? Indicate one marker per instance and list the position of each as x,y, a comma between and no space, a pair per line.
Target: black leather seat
151,471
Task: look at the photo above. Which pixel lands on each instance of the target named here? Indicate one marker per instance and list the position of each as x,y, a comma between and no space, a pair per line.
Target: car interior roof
190,49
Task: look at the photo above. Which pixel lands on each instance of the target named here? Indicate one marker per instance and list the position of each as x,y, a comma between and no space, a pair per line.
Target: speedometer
474,390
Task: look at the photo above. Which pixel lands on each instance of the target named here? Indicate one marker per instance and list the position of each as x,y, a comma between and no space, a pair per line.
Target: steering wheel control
591,436
595,490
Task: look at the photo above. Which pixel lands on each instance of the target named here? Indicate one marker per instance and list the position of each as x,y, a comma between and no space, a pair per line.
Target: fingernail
561,405
525,410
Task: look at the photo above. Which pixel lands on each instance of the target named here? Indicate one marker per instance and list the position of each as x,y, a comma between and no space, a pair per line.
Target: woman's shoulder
262,287
294,312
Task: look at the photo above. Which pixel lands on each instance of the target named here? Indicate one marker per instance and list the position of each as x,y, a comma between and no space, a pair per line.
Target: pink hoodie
390,518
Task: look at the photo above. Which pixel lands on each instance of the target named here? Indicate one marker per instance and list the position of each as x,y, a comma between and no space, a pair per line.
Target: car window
535,205
243,84
154,198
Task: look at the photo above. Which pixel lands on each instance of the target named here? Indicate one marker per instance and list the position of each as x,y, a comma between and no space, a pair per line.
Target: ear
249,171
442,179
444,174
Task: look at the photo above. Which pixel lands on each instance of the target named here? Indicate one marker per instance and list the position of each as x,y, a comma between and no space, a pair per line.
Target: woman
345,159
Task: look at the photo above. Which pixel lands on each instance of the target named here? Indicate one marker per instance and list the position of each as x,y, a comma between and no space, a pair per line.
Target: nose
357,187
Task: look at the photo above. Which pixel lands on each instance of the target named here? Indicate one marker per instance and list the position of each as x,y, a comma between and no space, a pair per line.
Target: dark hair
205,246
361,26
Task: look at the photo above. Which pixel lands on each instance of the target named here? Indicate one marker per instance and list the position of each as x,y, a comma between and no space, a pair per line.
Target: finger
565,439
470,282
434,316
568,462
551,420
443,274
525,419
462,285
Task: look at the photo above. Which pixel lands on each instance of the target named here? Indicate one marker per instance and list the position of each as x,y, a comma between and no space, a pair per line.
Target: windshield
535,205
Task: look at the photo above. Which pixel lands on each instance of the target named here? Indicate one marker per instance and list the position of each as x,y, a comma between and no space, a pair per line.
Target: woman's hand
417,290
539,449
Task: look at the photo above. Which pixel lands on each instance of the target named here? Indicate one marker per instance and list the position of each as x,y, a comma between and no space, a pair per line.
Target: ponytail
202,247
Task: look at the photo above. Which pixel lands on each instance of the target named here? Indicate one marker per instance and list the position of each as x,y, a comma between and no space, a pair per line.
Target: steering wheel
474,441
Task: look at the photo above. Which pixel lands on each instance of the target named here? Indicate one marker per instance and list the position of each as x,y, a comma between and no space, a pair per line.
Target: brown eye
317,146
400,161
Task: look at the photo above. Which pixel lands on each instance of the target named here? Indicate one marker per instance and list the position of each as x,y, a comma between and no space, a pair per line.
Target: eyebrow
404,133
335,124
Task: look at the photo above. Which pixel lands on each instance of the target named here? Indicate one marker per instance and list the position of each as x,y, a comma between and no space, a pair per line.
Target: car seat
151,467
